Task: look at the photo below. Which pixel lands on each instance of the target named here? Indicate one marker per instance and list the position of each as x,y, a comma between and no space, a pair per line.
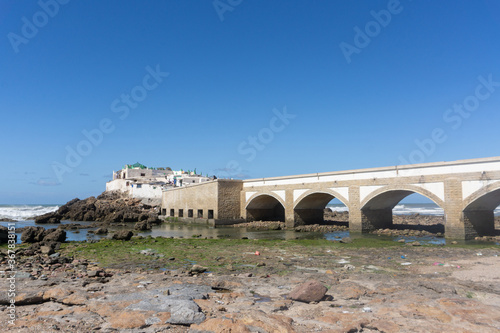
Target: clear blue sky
350,91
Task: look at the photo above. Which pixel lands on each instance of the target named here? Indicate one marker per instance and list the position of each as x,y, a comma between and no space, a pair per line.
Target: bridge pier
454,226
355,218
289,213
478,223
373,219
370,219
466,223
308,216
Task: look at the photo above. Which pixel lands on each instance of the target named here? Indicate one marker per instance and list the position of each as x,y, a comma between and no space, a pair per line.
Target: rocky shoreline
330,288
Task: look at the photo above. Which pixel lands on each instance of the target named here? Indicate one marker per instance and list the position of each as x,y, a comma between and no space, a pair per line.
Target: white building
139,181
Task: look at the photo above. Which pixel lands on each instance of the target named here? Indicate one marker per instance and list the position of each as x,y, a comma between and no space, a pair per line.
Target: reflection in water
202,231
180,230
175,230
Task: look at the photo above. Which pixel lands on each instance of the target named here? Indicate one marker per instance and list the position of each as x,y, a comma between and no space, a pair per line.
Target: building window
139,186
172,212
143,175
190,213
200,213
181,212
163,211
210,213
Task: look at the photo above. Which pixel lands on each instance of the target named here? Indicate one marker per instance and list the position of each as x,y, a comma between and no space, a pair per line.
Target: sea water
24,214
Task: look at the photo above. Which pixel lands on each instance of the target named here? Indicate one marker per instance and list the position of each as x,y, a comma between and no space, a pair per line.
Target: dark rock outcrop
143,225
107,207
57,235
4,235
101,231
39,234
123,235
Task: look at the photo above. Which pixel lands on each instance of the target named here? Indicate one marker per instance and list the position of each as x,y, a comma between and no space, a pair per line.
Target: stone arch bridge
468,191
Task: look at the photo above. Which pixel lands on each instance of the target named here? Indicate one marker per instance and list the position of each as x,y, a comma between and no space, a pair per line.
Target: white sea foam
424,209
25,212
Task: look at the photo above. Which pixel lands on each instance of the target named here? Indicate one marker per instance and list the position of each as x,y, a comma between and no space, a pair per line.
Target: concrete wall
145,191
228,199
221,197
118,185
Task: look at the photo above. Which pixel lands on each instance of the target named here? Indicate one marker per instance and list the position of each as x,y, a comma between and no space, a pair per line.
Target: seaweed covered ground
243,285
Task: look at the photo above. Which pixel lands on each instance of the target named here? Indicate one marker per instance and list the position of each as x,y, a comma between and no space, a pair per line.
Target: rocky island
108,207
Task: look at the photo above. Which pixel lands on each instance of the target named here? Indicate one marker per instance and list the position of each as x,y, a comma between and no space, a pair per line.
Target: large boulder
123,235
101,231
143,225
186,313
39,234
32,234
310,291
153,219
4,235
55,235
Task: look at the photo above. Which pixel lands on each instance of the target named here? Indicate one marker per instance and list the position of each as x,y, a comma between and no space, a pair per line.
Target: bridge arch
478,212
376,208
327,192
266,207
309,207
390,196
487,197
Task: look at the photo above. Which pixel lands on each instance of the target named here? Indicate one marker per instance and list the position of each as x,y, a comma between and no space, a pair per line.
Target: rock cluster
39,234
488,238
261,225
405,232
107,207
320,228
330,215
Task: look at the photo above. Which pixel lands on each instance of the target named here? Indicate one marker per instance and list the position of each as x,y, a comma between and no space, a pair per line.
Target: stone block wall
214,202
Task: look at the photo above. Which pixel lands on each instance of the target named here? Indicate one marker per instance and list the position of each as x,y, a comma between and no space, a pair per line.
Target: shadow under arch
376,208
265,207
309,207
478,213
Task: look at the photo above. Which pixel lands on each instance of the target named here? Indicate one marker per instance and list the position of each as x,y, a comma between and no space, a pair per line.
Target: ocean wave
25,212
